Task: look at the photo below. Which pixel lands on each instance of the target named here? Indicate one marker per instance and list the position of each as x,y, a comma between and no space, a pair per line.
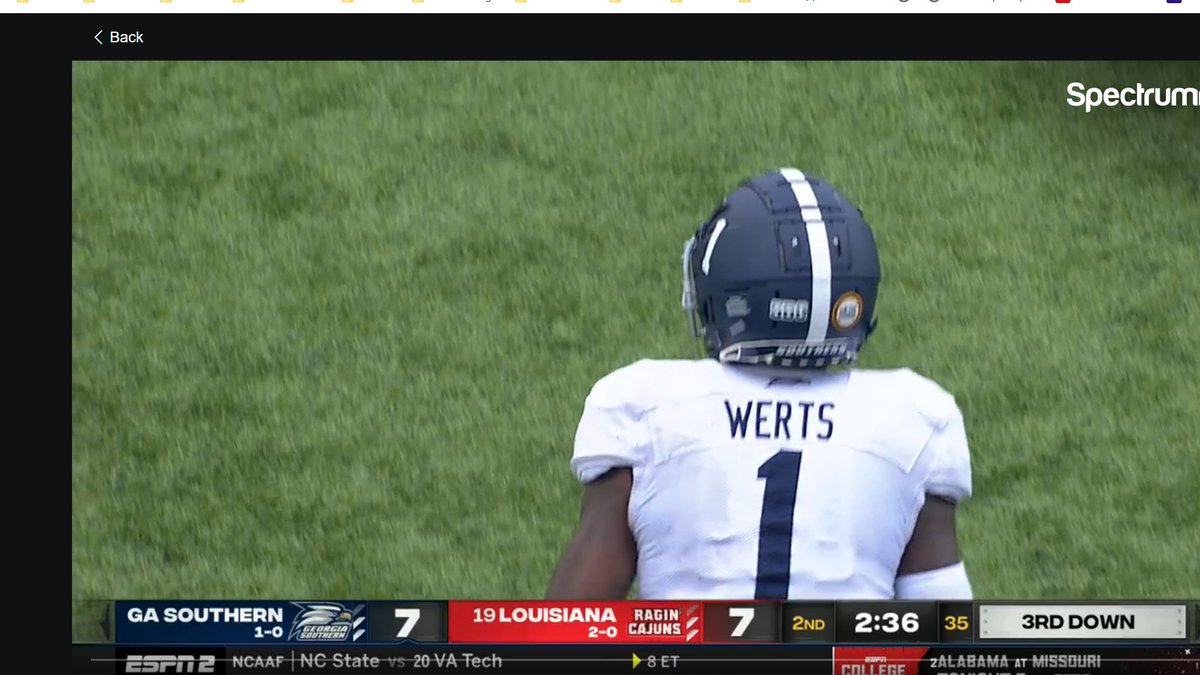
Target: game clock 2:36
886,622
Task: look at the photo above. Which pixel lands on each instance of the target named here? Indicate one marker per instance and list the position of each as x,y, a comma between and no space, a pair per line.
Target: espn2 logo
170,663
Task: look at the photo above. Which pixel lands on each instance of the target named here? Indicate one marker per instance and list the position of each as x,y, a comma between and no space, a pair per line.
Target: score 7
744,615
410,616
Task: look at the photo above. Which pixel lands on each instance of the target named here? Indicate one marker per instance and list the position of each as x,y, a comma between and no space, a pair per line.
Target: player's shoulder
645,381
909,389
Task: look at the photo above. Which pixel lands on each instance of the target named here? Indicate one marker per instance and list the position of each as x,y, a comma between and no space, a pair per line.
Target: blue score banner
240,622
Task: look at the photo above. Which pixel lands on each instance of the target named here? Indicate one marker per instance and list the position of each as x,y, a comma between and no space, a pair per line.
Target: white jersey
746,486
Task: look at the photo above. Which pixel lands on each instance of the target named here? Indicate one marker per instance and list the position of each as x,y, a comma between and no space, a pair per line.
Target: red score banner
579,622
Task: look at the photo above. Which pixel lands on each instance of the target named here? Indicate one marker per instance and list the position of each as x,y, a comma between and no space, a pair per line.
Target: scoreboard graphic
842,638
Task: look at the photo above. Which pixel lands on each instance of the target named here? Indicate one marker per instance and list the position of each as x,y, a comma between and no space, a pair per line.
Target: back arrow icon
96,37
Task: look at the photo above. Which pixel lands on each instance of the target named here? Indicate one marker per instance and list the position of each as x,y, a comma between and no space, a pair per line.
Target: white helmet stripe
818,245
712,244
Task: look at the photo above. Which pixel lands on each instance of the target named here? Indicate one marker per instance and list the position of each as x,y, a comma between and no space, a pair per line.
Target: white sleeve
950,461
945,583
611,432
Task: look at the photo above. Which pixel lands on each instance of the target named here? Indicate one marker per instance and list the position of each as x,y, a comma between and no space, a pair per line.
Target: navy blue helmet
785,273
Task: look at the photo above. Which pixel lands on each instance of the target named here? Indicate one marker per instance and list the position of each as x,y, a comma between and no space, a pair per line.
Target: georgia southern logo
326,622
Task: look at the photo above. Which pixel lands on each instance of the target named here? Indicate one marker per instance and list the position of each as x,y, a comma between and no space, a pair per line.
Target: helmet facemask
689,291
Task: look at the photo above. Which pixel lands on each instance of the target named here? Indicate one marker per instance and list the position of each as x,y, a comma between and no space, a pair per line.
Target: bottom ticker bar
575,659
584,659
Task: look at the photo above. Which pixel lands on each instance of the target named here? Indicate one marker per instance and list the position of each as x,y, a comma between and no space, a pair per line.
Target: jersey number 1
782,475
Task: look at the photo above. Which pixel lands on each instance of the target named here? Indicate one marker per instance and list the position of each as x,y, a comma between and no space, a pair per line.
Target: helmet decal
847,311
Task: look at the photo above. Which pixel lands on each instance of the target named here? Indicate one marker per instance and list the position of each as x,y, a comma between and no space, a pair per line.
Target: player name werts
206,615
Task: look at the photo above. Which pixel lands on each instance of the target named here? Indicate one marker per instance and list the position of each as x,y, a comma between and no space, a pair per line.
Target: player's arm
600,562
931,567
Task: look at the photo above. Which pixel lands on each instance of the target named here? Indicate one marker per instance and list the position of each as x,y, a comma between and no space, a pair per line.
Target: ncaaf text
1084,621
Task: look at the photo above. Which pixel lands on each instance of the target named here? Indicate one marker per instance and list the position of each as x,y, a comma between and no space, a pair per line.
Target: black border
41,48
612,36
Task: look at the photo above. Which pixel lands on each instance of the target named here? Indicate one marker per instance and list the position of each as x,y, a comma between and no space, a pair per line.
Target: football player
771,469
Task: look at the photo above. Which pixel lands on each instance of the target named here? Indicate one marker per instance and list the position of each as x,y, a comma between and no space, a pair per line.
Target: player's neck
793,374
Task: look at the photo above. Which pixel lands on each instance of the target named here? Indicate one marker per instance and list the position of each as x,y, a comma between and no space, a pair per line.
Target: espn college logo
170,663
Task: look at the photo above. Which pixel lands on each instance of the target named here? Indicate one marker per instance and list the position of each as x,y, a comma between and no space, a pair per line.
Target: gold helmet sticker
847,311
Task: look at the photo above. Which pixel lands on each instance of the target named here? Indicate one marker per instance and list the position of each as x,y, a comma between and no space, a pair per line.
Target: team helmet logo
847,311
327,622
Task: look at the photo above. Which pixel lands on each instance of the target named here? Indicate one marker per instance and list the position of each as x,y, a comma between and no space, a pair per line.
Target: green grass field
333,323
